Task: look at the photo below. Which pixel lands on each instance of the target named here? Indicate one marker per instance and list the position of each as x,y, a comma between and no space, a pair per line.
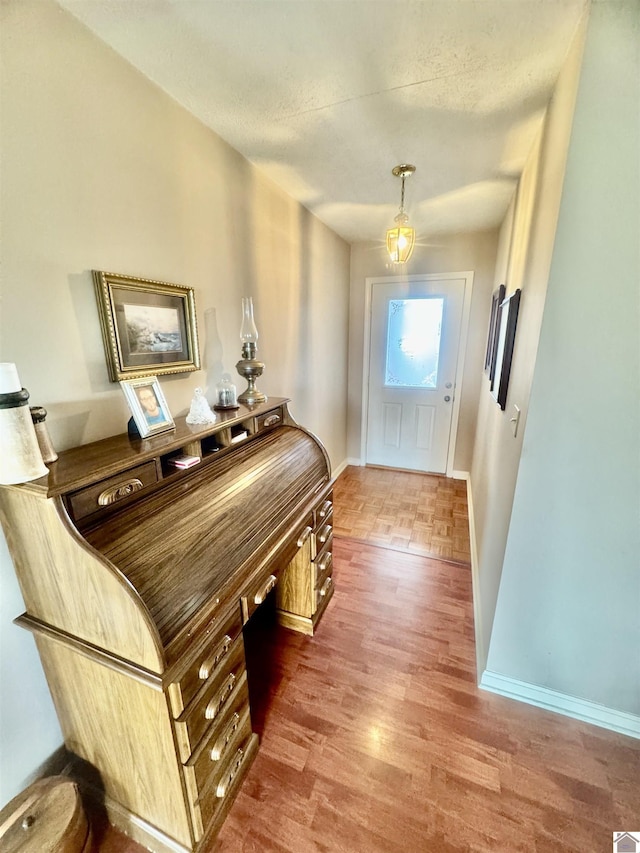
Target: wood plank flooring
374,736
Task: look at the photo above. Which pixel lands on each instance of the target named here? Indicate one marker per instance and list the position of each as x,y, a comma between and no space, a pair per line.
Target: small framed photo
148,406
148,327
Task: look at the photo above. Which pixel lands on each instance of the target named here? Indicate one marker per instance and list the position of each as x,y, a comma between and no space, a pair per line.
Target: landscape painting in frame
148,327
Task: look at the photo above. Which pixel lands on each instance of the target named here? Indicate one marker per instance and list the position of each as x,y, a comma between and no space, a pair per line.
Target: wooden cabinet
138,579
306,585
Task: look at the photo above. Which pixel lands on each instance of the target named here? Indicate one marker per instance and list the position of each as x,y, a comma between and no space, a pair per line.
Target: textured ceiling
326,96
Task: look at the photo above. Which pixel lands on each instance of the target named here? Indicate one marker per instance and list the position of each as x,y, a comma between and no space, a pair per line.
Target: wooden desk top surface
88,463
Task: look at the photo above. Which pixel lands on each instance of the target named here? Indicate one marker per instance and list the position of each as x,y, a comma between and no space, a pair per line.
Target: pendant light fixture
401,238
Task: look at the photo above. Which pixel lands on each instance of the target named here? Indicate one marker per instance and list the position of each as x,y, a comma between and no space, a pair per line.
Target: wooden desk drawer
322,539
209,703
268,420
222,784
322,512
325,590
222,634
256,595
84,502
322,568
324,535
208,760
321,548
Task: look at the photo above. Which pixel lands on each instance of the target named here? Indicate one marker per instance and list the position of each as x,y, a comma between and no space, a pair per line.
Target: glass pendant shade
248,330
402,237
400,243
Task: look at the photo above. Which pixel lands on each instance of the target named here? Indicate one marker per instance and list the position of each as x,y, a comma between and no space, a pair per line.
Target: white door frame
370,282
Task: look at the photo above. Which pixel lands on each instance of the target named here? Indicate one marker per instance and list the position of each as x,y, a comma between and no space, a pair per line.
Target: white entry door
414,343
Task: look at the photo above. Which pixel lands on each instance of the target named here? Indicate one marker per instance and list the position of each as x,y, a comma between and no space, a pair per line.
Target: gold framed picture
148,327
148,405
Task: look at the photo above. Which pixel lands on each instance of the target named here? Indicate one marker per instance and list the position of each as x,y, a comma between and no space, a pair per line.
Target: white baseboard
459,475
335,472
344,464
358,463
561,703
481,652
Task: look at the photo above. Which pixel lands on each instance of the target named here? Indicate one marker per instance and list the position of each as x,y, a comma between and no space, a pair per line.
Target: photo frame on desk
505,341
148,406
148,327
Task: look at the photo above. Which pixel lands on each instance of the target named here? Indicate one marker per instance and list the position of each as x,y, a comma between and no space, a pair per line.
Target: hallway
375,738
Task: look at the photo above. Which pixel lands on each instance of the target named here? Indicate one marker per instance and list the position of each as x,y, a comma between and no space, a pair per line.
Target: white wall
450,253
568,612
524,257
102,170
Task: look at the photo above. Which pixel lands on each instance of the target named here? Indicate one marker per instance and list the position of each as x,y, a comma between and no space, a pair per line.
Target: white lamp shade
9,381
20,457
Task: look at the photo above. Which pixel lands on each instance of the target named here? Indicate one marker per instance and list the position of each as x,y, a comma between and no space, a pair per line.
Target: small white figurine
200,411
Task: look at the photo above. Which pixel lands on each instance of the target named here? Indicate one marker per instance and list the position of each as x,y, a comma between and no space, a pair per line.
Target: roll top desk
138,578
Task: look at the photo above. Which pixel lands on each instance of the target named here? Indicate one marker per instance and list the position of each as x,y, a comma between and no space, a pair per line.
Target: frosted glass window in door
413,342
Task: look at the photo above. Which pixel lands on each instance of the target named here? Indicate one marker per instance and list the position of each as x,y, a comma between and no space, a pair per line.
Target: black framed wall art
505,341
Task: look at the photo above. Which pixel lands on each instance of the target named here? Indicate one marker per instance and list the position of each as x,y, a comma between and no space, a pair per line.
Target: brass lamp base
251,369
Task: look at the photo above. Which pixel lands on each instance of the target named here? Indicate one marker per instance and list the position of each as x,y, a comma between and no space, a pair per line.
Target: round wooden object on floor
47,817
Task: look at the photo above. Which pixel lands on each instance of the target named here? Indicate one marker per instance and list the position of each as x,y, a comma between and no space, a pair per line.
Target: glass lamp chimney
248,330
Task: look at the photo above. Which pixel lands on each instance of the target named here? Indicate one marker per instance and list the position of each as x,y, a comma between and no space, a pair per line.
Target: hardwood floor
374,736
421,513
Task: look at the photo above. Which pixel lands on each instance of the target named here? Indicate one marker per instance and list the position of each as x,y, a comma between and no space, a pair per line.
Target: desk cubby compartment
182,460
240,432
214,443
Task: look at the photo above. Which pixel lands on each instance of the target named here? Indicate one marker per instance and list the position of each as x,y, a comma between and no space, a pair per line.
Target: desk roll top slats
138,578
184,543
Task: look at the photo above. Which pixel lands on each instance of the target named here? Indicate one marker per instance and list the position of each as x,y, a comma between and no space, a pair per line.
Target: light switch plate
515,420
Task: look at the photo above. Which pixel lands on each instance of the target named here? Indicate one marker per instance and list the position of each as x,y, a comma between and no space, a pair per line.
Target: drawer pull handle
324,563
325,587
209,665
325,533
225,738
272,420
213,708
306,533
325,509
223,787
266,589
110,496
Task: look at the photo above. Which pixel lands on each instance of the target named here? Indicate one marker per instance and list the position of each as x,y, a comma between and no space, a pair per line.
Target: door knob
448,385
447,399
